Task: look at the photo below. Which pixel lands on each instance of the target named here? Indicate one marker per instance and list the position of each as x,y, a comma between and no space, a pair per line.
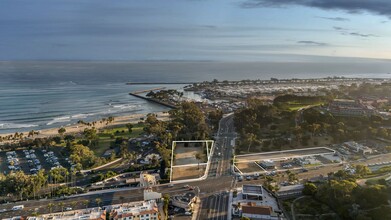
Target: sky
196,30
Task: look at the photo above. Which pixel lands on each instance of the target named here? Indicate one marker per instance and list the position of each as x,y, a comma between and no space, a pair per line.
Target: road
215,205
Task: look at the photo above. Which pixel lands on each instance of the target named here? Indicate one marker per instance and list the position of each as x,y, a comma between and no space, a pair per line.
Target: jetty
160,83
154,101
148,90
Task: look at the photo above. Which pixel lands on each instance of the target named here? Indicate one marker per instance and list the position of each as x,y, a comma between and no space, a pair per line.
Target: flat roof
253,189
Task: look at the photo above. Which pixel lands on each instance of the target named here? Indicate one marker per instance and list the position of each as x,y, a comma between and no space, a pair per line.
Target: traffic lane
106,199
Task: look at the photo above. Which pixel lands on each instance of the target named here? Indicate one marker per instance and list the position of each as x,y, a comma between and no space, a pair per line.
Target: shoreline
79,128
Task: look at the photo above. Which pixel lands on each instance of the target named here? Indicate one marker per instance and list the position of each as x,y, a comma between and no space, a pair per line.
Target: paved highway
215,205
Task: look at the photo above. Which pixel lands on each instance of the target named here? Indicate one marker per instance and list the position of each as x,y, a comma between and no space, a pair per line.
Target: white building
136,211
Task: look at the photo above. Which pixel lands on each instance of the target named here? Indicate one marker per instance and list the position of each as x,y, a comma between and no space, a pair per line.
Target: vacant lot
188,155
188,172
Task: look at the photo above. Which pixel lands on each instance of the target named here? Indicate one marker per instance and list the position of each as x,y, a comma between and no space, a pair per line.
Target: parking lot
284,160
30,161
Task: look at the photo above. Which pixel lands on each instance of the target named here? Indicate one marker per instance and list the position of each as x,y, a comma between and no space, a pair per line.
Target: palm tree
50,207
73,204
98,201
85,202
61,204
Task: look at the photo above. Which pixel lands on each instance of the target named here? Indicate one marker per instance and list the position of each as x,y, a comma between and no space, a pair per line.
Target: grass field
121,131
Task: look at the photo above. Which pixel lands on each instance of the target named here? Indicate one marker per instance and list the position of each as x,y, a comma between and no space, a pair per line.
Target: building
149,194
89,214
254,202
135,211
147,180
288,192
358,148
253,211
345,107
252,192
185,201
267,164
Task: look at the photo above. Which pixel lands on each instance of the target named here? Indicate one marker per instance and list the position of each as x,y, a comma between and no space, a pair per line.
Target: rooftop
252,189
257,210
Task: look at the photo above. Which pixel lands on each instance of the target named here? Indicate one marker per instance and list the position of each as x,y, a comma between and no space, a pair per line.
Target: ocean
37,95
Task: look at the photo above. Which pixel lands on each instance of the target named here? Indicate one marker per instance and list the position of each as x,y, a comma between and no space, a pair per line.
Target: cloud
334,18
362,35
379,7
340,28
312,43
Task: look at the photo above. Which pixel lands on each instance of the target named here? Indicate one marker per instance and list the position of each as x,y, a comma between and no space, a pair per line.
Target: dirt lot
282,154
188,172
250,167
187,155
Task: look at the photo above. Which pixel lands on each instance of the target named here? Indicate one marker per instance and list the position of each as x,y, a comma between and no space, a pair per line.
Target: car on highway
3,210
17,207
68,209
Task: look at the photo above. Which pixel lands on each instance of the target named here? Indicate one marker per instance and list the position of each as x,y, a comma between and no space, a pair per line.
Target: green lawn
105,137
294,106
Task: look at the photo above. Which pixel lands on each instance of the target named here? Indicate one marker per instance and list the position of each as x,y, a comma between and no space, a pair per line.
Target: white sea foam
5,125
59,120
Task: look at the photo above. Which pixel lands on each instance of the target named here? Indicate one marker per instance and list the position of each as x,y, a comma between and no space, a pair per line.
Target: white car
68,209
3,210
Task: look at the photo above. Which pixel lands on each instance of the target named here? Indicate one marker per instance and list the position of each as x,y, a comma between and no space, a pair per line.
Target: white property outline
277,158
209,154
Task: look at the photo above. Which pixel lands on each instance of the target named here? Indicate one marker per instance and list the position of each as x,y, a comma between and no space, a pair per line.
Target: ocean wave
63,119
124,106
59,120
6,125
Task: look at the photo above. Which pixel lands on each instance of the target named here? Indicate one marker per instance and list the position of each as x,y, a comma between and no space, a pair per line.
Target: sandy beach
78,128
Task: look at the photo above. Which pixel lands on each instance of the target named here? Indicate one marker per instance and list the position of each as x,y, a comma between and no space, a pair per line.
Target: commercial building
267,164
254,202
358,148
252,192
345,107
135,211
90,214
253,211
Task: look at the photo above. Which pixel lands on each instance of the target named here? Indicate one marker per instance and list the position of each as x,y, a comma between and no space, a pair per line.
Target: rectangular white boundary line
209,156
301,149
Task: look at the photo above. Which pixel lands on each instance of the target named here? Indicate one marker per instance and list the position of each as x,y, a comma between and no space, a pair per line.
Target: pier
160,83
153,100
148,90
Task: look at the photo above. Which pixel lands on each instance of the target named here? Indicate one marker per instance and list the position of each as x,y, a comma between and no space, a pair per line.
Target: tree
129,126
61,131
85,203
362,170
50,207
98,201
61,204
309,189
